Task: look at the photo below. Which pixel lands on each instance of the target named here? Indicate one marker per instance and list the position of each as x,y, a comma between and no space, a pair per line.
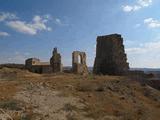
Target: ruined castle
79,65
110,59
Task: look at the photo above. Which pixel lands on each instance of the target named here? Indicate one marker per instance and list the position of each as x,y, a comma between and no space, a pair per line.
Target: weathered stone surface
79,62
36,66
30,62
110,56
55,61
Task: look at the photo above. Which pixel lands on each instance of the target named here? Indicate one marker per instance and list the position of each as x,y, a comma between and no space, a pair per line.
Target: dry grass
110,97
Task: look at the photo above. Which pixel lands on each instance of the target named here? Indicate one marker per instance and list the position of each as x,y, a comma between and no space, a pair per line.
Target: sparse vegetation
91,77
10,105
68,107
92,97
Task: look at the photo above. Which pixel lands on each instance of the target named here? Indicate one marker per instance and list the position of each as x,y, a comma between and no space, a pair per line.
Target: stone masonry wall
110,56
55,61
79,62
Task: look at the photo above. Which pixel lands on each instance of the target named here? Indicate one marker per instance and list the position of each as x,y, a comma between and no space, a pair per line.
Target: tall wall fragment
55,61
110,56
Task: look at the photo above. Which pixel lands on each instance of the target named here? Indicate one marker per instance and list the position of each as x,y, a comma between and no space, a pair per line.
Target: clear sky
32,28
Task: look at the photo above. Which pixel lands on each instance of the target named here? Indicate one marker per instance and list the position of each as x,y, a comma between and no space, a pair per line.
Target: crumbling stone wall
55,61
36,66
79,62
110,56
29,63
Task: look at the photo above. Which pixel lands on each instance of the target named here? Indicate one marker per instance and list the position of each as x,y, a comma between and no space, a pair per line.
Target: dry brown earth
29,96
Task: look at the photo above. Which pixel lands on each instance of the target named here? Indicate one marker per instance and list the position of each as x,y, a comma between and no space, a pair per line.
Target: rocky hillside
29,96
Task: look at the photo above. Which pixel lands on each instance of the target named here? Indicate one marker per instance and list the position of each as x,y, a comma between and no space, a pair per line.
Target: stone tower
55,61
79,62
110,56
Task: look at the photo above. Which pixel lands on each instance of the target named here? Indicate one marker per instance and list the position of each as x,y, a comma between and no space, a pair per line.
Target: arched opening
79,59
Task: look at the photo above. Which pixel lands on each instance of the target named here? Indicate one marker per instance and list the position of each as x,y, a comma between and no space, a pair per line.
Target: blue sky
32,28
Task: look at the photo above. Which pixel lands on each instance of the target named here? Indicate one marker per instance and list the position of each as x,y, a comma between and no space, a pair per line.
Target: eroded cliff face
110,56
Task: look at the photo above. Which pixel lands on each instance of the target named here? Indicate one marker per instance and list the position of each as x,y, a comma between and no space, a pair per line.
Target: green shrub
11,105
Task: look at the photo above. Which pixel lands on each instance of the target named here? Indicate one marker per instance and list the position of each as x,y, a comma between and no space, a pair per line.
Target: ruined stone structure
79,62
110,56
36,66
55,61
110,59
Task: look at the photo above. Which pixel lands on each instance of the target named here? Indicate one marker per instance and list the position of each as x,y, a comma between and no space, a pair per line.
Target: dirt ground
29,96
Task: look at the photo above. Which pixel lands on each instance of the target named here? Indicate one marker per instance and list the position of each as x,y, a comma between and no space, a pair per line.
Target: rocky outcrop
110,56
